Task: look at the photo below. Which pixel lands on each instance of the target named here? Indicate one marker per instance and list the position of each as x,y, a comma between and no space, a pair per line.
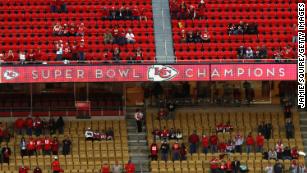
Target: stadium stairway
163,31
137,143
303,123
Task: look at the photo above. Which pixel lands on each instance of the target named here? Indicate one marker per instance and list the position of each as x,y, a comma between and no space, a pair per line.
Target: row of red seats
247,1
55,113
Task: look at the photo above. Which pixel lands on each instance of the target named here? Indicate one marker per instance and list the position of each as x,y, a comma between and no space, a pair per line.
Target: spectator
165,134
60,125
6,153
81,50
74,51
205,143
249,143
183,36
241,52
268,130
80,30
294,153
289,129
116,168
171,109
130,36
278,167
269,168
272,154
116,55
213,142
205,37
294,33
183,152
240,28
55,165
47,146
59,50
53,6
179,134
65,30
156,134
39,145
286,155
232,30
301,168
96,135
72,29
31,55
10,56
19,125
293,167
162,114
7,133
57,29
55,146
37,170
164,150
130,167
66,55
259,142
249,53
23,147
197,37
107,36
230,146
172,134
154,151
263,52
29,125
138,115
66,146
105,168
278,54
222,147
238,143
89,134
176,151
190,37
2,56
37,125
214,165
138,55
279,149
52,126
23,169
31,146
22,57
193,140
110,134
235,165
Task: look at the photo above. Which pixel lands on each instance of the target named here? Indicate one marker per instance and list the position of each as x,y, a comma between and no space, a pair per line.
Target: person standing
164,150
23,147
37,170
39,145
193,139
130,167
238,143
37,125
259,142
47,145
60,125
249,143
289,129
29,125
55,146
269,168
205,143
139,118
183,152
55,165
105,168
117,168
213,142
23,169
278,167
214,165
154,151
31,146
66,146
235,165
176,151
6,153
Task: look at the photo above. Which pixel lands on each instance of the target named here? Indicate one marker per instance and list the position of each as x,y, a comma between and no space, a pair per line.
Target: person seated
57,29
294,153
179,134
162,114
130,38
156,133
138,55
108,37
96,135
263,52
228,127
103,135
172,134
65,30
230,146
165,134
222,147
232,29
197,37
286,155
89,134
220,128
249,54
183,36
205,36
116,55
272,154
80,30
113,13
110,134
241,52
190,37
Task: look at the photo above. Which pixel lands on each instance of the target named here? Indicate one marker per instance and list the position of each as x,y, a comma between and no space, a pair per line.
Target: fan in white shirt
130,36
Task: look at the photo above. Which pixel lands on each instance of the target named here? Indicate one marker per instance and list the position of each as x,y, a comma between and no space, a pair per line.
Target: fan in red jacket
39,145
222,147
259,142
55,165
31,146
29,125
213,142
214,164
37,126
47,145
294,153
23,169
55,146
130,167
19,125
154,151
105,168
249,143
205,143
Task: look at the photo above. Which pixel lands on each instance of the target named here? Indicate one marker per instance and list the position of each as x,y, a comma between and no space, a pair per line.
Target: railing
165,61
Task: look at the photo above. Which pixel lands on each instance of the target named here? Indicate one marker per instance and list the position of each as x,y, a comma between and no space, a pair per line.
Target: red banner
131,73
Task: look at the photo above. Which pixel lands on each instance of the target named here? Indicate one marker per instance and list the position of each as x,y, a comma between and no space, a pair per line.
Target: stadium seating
85,157
275,21
28,25
245,122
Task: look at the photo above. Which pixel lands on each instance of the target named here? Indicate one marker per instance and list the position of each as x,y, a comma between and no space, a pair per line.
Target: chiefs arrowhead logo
9,75
161,73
